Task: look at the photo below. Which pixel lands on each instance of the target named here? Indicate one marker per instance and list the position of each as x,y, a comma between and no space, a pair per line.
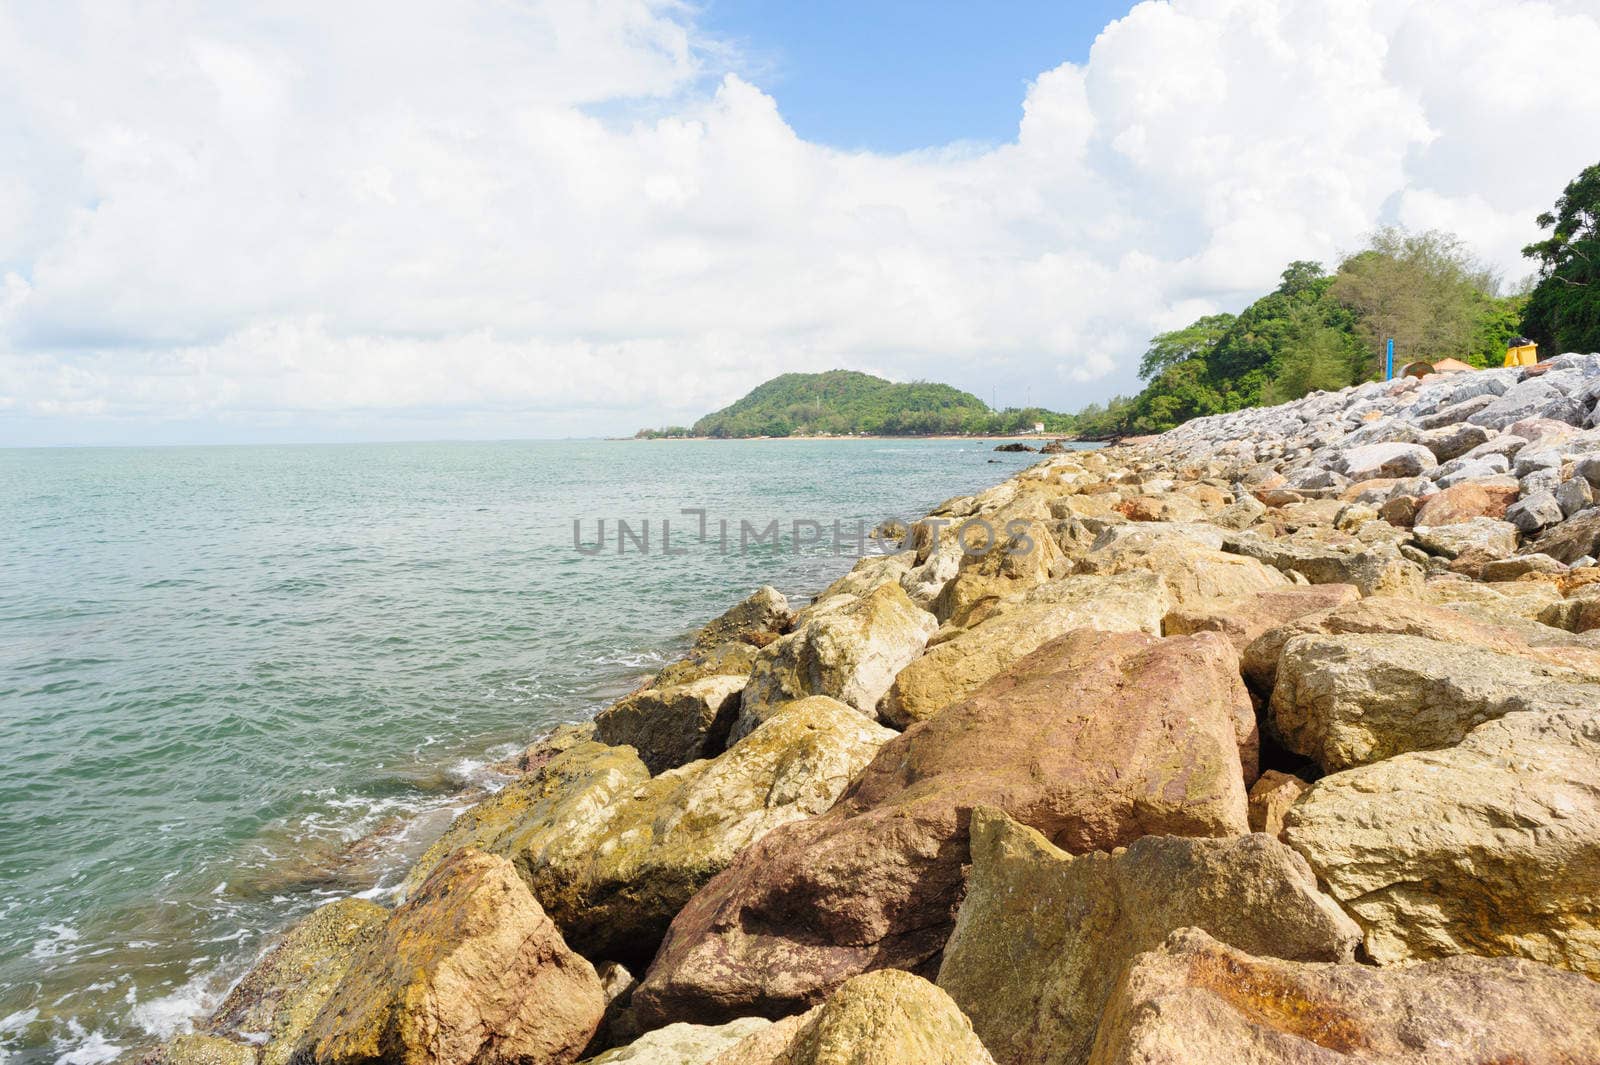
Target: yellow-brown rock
1491,846
948,672
613,873
280,997
1200,1002
469,971
1043,935
881,1018
846,647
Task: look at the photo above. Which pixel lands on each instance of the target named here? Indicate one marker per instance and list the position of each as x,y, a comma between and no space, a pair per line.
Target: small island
850,403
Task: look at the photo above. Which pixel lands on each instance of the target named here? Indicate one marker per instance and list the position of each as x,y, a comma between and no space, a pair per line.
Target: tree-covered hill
844,402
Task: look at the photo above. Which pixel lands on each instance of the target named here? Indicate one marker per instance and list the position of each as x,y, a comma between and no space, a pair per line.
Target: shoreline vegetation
1319,330
1271,738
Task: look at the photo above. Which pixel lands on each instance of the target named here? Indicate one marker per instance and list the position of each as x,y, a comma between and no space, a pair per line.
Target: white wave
62,941
82,1047
175,1012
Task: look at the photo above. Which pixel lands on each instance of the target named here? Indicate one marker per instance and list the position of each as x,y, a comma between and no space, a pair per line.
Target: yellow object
1524,355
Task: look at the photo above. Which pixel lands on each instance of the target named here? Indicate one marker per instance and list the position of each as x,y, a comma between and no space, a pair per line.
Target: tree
1423,290
1563,312
1169,349
1318,358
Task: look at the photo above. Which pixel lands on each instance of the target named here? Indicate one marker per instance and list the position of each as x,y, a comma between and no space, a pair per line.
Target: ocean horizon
240,680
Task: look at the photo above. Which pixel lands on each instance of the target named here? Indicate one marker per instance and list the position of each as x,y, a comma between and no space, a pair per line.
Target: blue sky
402,219
894,75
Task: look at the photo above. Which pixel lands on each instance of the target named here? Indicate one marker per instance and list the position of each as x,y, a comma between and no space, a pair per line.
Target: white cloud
569,217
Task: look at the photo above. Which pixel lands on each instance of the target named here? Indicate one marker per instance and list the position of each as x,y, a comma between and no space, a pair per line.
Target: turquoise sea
238,681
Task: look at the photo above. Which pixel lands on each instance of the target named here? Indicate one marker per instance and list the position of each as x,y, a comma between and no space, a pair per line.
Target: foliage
1320,331
845,402
1168,349
1424,290
1563,312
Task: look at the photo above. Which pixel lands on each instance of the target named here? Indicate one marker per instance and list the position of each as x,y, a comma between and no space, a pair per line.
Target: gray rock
1529,459
1456,413
1386,460
1575,494
1536,397
1448,442
1535,512
1541,482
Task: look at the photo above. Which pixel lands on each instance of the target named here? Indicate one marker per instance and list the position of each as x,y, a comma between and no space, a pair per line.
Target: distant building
1038,427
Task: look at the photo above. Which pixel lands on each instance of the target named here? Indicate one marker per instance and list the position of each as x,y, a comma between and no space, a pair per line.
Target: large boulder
469,971
569,797
1350,699
949,671
1095,739
279,998
1191,572
1466,501
1488,847
1243,618
197,1048
727,644
674,725
1458,622
1386,460
881,1018
613,878
846,647
1198,1002
1021,555
1577,537
1483,538
683,1044
1042,936
1376,569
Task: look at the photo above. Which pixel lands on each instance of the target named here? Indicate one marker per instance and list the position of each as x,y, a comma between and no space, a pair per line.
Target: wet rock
1042,936
279,998
1348,700
197,1049
1095,739
1487,847
672,726
844,647
612,877
538,754
1197,1001
469,970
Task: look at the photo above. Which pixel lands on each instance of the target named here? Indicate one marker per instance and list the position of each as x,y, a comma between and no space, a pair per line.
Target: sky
231,223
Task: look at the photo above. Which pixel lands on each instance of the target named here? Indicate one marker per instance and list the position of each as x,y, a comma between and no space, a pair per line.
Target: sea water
237,682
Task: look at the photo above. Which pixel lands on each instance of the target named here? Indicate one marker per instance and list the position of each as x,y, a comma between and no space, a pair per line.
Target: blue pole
1388,363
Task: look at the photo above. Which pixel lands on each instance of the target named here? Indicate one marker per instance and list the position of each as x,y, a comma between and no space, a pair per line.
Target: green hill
844,402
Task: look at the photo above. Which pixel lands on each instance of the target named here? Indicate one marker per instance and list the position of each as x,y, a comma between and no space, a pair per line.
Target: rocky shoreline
1272,739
